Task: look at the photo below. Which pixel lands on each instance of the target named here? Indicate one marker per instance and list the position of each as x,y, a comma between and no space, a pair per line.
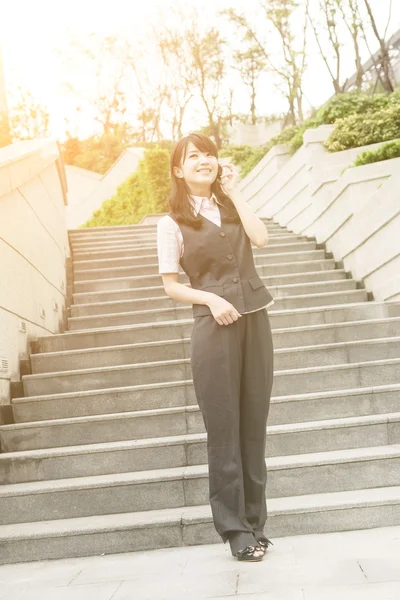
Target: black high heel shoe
248,554
264,542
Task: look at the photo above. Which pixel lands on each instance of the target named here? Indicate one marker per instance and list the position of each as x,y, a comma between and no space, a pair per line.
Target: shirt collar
197,201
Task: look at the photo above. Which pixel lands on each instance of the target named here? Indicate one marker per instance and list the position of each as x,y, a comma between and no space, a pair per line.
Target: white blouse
170,246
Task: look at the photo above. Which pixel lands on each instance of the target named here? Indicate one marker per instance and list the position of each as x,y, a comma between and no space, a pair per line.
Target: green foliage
27,119
385,152
360,119
144,192
245,157
354,103
364,129
97,153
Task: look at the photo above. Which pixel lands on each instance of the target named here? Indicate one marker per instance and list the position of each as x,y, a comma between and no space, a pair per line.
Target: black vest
220,260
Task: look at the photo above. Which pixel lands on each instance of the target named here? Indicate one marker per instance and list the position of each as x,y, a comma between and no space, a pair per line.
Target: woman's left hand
229,178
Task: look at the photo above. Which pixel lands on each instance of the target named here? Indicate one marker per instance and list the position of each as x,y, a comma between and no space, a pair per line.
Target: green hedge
364,129
144,192
385,152
335,111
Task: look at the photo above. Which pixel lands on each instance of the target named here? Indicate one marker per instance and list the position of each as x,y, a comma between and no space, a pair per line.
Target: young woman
208,232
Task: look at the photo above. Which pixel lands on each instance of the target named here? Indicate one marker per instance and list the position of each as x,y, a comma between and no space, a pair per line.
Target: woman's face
198,169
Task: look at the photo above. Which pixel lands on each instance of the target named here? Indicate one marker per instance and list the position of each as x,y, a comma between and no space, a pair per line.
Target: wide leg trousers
232,369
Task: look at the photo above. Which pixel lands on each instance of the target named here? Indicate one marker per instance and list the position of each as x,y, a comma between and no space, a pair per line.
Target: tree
27,118
329,31
250,63
102,90
384,56
180,75
208,63
290,66
351,19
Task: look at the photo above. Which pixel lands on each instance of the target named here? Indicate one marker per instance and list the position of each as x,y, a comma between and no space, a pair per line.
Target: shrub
385,152
364,129
352,103
245,157
144,192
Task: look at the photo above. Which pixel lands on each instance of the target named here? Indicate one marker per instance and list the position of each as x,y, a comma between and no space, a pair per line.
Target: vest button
230,256
235,279
222,234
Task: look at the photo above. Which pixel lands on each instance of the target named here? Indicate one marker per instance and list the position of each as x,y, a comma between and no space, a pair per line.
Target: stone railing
33,251
355,212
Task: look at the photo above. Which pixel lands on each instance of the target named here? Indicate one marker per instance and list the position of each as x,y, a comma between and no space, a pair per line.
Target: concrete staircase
108,449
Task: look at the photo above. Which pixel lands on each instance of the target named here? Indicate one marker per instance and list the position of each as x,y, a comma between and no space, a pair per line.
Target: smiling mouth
204,171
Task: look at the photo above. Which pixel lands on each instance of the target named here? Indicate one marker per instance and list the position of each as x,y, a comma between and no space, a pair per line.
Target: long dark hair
179,203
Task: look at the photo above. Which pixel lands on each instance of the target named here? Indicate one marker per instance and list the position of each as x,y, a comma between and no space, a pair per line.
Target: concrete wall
88,190
253,135
355,212
33,251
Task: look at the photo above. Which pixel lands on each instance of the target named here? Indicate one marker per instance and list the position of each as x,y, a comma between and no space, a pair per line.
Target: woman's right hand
223,311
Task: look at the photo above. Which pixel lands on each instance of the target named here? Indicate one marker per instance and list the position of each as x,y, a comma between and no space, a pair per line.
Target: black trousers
232,369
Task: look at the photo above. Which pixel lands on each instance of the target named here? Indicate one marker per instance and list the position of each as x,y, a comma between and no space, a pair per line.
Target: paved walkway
355,565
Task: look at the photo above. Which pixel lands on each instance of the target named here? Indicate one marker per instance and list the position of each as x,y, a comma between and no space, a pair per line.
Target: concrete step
193,525
188,485
142,285
313,379
284,358
115,237
151,257
163,314
137,242
275,237
158,302
91,417
146,230
182,328
151,269
282,338
81,310
135,227
284,409
177,448
138,227
134,252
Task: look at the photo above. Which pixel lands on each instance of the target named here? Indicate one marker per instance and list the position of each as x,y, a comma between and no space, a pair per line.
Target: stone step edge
187,438
183,322
139,226
274,232
149,244
286,286
138,277
284,276
155,265
156,343
151,311
277,331
178,383
299,239
296,461
158,363
192,515
178,305
143,230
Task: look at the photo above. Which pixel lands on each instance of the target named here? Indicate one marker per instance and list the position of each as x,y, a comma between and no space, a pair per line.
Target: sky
31,31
